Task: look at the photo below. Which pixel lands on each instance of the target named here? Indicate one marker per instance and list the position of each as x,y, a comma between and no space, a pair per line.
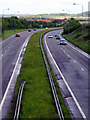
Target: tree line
15,23
71,25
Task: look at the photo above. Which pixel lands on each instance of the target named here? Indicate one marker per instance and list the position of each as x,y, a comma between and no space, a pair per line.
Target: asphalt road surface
10,51
10,63
74,67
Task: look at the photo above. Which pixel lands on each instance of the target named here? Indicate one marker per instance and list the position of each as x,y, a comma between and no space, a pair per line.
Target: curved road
9,52
74,67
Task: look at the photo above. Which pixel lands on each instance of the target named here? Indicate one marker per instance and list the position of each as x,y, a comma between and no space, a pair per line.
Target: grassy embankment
8,33
37,100
75,37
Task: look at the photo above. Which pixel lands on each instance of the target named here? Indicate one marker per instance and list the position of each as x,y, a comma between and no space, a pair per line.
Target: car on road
63,42
50,36
29,30
57,37
46,28
17,35
34,29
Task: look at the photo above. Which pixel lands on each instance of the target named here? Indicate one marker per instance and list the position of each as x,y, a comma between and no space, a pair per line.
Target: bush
15,23
73,25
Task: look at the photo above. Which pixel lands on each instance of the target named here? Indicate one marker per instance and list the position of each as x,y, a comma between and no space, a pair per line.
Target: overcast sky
42,6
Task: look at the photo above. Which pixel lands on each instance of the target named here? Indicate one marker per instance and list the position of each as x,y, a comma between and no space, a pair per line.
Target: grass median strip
37,100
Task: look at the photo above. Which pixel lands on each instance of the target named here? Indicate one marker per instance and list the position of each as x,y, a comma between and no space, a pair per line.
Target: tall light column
68,23
14,20
82,19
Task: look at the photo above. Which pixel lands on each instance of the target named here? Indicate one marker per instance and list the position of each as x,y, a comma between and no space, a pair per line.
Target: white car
50,36
63,42
46,28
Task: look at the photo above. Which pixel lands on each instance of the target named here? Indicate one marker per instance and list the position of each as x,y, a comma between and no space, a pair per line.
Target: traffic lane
8,64
10,90
76,55
7,42
68,50
74,75
11,41
11,48
9,59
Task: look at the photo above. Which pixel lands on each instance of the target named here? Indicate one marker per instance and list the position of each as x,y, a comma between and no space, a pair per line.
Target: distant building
35,19
61,20
44,20
29,18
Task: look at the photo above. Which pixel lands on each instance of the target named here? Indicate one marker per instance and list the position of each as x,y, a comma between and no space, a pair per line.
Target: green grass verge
75,38
37,100
8,33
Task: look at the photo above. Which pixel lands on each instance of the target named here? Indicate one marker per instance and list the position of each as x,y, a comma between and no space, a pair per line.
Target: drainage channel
17,110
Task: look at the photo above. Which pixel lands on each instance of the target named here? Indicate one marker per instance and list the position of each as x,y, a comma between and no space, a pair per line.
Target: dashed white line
77,49
68,55
74,98
82,69
74,61
63,50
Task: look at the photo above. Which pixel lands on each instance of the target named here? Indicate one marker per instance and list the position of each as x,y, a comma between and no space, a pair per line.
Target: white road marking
68,55
74,61
80,51
74,98
4,97
63,50
82,69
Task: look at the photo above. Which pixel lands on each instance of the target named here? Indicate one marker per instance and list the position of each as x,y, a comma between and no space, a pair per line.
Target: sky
42,6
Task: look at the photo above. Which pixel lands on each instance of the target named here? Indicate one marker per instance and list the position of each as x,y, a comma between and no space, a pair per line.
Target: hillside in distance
85,14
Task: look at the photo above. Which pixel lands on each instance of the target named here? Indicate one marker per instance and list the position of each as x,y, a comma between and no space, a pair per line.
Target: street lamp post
68,23
14,21
82,19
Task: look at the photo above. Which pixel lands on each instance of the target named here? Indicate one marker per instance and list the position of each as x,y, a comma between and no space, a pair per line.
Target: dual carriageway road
72,64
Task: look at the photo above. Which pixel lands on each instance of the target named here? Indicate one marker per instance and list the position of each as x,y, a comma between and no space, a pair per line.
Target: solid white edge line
12,76
82,52
77,104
